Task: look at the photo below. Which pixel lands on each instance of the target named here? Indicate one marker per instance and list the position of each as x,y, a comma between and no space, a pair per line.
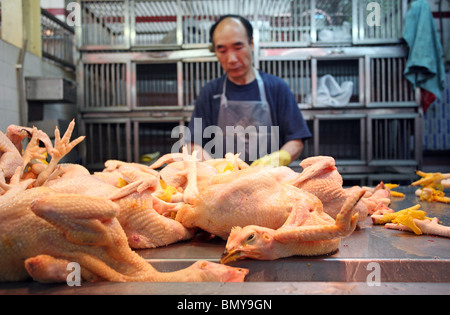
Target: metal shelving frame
120,40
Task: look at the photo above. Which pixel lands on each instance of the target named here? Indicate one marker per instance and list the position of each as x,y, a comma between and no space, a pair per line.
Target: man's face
234,51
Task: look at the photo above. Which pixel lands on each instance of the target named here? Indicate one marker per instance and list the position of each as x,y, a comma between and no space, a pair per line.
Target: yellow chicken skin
404,217
414,220
432,186
168,191
431,194
392,192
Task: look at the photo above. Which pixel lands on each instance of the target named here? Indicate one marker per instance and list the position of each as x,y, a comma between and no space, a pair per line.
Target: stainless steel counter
373,260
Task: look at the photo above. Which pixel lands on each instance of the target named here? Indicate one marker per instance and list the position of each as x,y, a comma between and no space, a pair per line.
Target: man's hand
278,158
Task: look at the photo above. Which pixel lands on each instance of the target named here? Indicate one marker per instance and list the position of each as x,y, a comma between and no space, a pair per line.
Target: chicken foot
167,159
33,151
426,227
61,148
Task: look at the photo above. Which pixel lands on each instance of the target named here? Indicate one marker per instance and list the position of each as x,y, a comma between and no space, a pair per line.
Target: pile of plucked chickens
54,213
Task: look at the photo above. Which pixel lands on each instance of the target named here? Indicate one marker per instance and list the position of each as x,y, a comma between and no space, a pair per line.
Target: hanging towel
330,93
425,67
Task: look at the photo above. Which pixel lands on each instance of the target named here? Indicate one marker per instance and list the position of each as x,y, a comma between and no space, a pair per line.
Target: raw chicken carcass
10,158
17,133
321,178
144,226
139,212
41,231
11,148
307,232
18,182
254,196
189,175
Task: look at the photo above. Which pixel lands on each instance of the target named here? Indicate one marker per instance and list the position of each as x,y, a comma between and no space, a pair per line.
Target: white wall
33,66
8,92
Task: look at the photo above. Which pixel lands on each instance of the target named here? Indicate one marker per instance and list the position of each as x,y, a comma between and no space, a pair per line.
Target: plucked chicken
321,178
255,196
143,225
251,196
308,231
42,231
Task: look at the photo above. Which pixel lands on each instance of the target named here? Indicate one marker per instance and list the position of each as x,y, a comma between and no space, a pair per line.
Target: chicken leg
61,148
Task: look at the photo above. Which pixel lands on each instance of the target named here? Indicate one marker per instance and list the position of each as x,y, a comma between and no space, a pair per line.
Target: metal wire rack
106,139
104,23
156,84
57,40
143,63
153,136
104,86
278,23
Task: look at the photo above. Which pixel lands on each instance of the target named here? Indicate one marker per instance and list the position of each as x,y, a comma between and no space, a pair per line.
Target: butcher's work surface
402,256
406,264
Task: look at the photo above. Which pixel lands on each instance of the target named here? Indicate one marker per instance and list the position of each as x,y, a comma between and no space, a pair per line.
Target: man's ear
211,47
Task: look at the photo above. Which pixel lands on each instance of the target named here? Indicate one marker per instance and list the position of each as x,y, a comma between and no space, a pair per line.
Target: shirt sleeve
292,122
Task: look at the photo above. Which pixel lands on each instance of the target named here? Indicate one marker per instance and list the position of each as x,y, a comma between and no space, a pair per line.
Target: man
254,101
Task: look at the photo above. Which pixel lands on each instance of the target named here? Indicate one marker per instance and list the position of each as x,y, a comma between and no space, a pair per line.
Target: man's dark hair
248,26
